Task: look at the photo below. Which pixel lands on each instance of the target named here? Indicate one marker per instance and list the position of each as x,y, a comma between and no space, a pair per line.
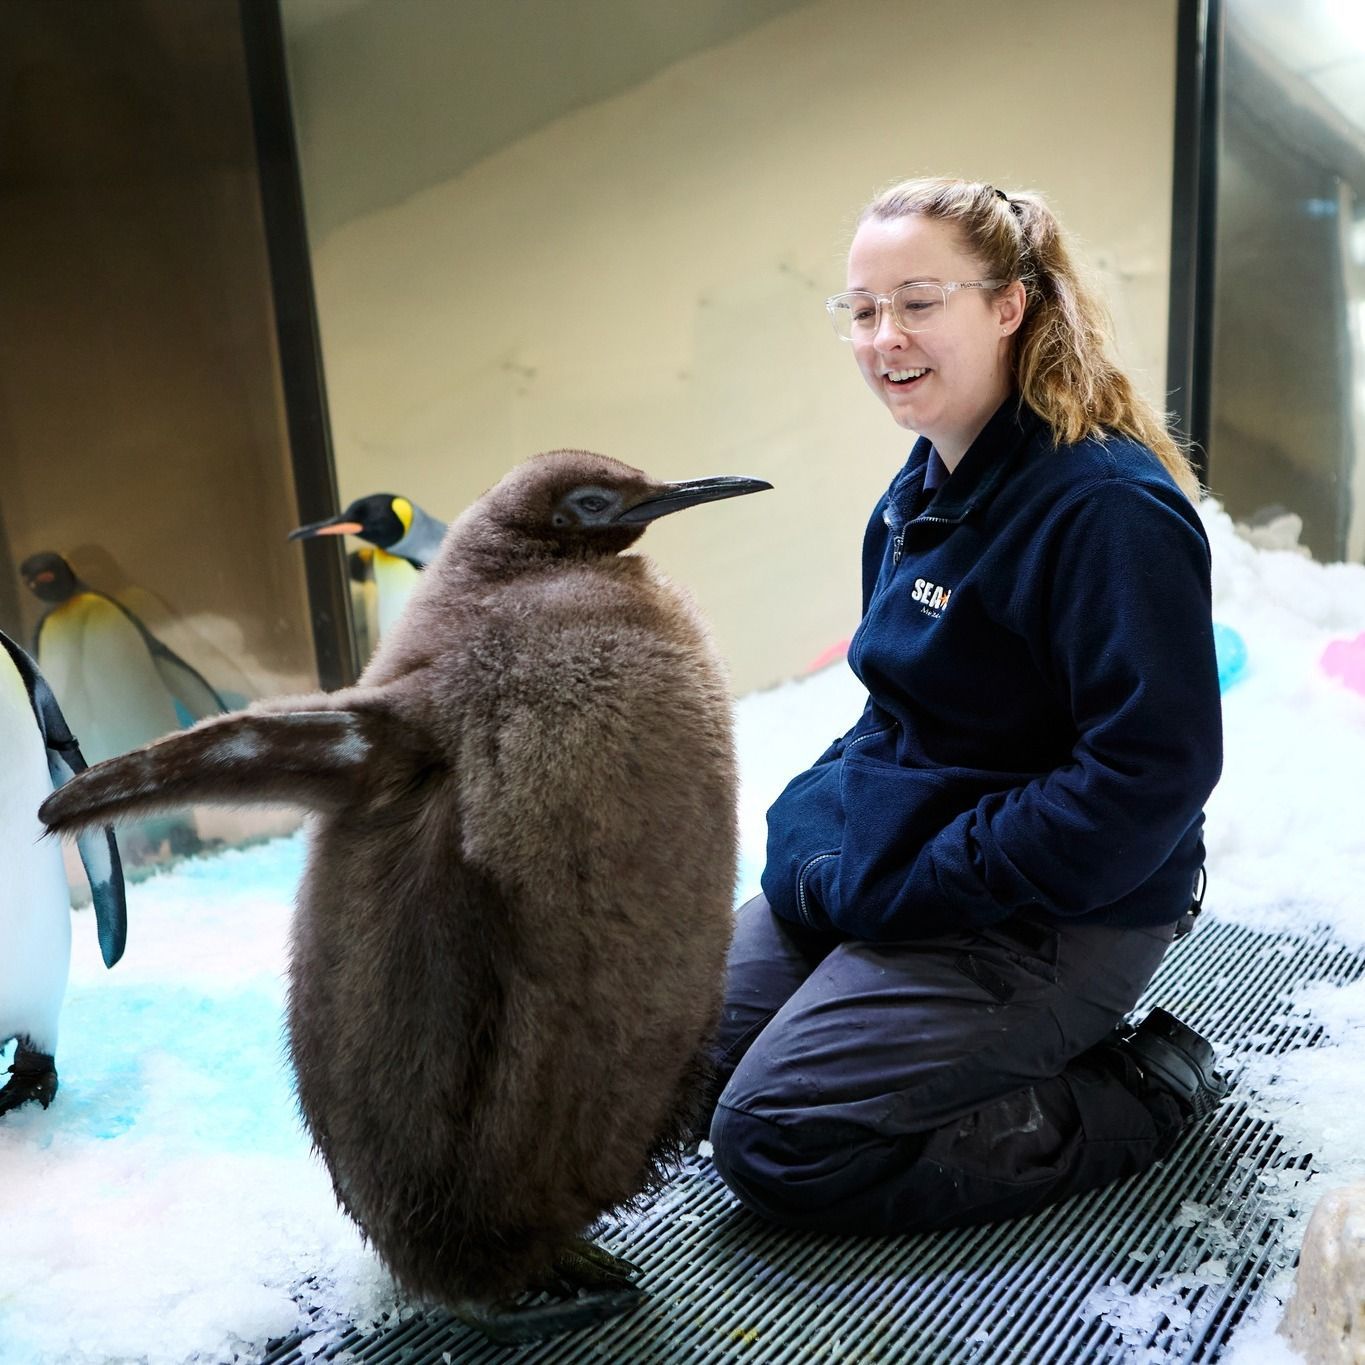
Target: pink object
831,655
1345,659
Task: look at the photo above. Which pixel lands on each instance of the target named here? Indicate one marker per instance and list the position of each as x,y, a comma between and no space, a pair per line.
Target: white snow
167,1207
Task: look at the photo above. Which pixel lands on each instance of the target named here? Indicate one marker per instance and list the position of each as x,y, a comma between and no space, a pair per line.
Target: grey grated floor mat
1195,1238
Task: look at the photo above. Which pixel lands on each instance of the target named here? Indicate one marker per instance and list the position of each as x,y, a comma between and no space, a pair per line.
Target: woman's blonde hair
1063,364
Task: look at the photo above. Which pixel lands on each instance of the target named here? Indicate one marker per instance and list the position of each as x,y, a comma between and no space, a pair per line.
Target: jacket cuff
957,884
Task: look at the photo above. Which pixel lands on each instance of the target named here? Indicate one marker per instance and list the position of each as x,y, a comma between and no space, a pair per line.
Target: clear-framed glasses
915,307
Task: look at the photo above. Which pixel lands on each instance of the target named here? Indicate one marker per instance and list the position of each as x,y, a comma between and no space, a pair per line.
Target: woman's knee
758,1161
802,1170
836,1177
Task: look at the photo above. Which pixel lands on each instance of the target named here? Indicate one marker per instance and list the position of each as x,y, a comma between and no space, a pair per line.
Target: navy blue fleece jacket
1043,725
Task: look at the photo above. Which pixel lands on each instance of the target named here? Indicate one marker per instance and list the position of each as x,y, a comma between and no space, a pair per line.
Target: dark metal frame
1194,194
301,374
11,615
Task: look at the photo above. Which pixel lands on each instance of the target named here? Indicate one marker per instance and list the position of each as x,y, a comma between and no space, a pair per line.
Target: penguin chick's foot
32,1077
585,1265
586,1286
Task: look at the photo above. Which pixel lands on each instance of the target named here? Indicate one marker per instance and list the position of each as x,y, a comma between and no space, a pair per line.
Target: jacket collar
978,474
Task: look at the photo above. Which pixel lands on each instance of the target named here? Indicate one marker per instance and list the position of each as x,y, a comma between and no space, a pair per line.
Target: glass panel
1288,369
140,408
613,225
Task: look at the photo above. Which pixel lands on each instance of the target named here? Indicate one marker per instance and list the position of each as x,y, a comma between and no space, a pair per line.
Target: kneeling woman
966,893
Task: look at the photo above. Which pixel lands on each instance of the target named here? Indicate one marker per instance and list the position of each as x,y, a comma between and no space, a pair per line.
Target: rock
1325,1317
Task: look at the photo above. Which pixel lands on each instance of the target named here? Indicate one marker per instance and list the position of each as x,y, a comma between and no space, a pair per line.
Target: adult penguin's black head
49,577
381,518
574,503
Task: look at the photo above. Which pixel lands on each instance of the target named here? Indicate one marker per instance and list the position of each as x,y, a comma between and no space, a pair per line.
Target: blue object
1231,650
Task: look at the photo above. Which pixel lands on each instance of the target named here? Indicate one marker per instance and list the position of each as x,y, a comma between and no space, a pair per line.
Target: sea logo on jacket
932,597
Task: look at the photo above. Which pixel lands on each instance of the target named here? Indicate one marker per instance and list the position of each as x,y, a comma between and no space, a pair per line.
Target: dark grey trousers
895,1087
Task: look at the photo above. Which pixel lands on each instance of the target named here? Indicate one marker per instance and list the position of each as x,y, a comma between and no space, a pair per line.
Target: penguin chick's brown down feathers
509,947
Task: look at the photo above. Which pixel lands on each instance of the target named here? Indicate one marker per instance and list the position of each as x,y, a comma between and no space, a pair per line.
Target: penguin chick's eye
586,507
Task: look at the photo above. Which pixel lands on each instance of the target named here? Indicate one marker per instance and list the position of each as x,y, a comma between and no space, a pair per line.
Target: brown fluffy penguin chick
509,948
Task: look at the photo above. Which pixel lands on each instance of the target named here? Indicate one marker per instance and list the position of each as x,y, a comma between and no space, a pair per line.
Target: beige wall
1288,364
644,275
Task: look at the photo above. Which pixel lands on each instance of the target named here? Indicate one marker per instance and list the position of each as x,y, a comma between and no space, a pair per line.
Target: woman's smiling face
946,382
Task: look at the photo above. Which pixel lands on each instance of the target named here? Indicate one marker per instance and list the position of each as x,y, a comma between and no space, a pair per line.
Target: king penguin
404,538
509,949
119,685
35,905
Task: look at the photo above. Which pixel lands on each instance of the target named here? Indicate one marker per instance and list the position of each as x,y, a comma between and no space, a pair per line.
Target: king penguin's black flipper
98,849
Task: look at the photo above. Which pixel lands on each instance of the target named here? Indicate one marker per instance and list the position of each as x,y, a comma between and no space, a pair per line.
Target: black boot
1173,1056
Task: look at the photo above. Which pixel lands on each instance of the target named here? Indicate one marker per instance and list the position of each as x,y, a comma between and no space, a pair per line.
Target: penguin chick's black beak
333,526
688,494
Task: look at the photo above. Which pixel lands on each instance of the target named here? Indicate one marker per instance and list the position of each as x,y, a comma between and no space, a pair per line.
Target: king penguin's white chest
395,579
35,915
97,663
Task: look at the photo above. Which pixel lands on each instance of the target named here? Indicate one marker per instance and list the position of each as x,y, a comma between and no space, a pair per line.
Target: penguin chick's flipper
32,1077
314,759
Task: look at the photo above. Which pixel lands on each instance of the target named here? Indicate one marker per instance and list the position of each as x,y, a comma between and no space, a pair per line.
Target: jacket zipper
871,734
801,907
898,543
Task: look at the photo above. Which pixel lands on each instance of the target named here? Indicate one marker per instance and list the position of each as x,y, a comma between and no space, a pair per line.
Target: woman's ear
1009,304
